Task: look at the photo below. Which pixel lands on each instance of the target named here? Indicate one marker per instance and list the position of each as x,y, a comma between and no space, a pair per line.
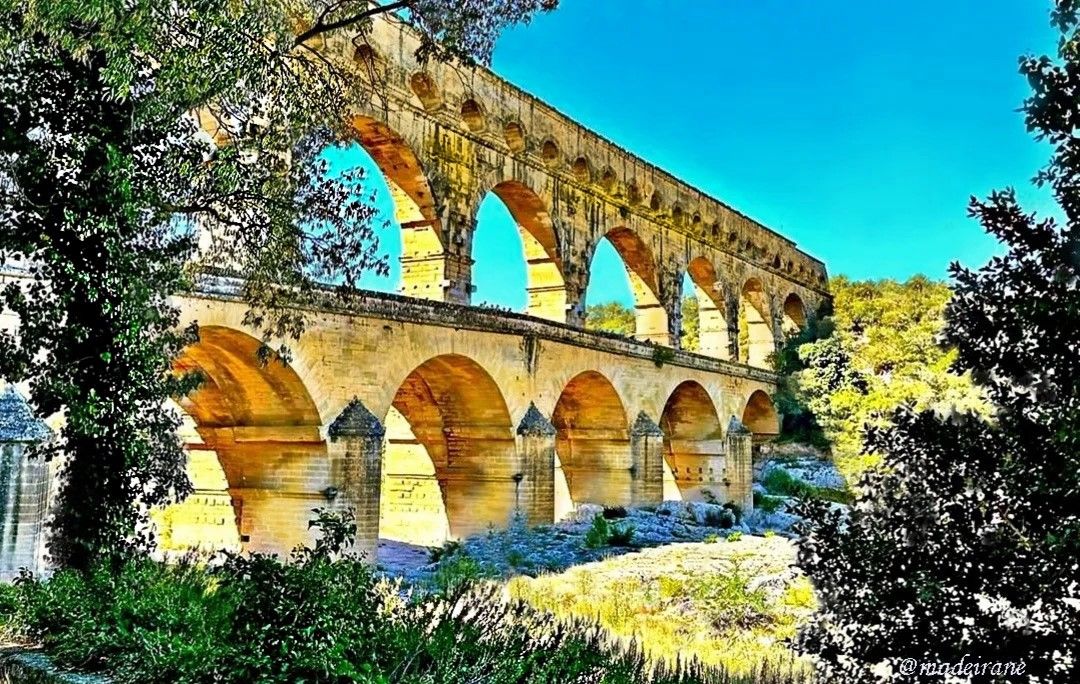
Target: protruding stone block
647,461
740,475
361,433
535,477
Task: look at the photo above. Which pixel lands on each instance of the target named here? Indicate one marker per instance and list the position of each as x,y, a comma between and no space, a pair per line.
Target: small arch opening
549,152
581,170
515,137
473,116
425,89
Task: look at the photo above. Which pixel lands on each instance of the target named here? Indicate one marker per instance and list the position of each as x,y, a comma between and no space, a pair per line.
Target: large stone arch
794,314
592,445
713,335
263,426
651,316
546,283
693,444
756,315
449,459
760,417
423,248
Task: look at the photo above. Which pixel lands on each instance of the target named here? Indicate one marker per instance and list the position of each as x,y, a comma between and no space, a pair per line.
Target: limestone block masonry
434,419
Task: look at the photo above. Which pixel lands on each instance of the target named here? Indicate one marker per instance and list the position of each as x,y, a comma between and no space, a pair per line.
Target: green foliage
781,482
662,355
734,536
321,618
691,324
621,535
767,503
878,350
611,317
128,129
457,572
602,533
728,601
599,533
965,543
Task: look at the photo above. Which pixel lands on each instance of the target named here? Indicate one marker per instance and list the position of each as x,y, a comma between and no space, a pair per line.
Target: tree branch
322,27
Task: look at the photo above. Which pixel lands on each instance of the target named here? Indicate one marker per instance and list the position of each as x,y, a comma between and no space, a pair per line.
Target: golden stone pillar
357,436
535,476
740,468
646,462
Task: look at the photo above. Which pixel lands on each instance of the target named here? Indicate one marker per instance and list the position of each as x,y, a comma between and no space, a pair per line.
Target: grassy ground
730,603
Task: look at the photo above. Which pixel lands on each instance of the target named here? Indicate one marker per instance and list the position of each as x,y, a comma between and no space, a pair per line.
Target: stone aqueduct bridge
435,419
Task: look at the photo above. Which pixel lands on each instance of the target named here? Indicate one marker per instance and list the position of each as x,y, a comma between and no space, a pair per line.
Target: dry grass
730,603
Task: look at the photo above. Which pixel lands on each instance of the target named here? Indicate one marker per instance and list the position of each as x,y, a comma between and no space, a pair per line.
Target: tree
107,175
877,350
691,324
966,543
611,317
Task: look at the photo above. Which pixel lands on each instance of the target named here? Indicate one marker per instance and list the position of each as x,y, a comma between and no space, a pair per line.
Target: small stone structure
24,485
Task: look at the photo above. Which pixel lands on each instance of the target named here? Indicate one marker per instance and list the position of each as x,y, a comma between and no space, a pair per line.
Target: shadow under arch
423,262
693,444
650,316
760,417
794,315
545,282
449,454
756,316
592,445
262,425
713,337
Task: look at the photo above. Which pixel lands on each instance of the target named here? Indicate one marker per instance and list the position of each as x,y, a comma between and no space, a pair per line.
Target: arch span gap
424,267
693,445
702,284
449,460
757,343
592,445
263,426
497,272
650,317
760,417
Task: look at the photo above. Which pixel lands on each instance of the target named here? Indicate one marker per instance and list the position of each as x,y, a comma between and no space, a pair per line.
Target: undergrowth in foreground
324,617
729,604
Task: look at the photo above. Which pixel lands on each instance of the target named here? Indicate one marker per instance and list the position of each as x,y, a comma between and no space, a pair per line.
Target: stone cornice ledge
391,307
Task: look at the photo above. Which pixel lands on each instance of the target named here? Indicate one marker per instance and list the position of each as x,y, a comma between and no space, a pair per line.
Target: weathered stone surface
424,413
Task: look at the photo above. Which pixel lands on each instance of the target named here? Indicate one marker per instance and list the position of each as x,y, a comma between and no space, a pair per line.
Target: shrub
446,550
734,536
614,512
736,511
456,573
711,538
621,535
719,518
767,503
599,533
780,481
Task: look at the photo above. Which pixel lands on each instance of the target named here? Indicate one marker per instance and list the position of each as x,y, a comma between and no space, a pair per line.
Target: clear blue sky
858,129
